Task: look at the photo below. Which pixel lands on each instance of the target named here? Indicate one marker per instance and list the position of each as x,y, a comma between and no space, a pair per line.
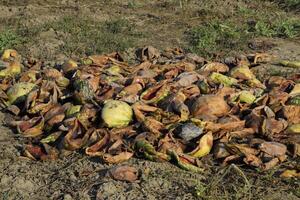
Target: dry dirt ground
56,30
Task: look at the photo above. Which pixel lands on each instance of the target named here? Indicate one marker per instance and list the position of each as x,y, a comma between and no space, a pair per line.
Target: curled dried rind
204,147
246,97
295,91
294,101
292,64
52,137
18,92
148,151
294,129
155,94
222,79
114,70
69,66
242,72
215,67
176,103
255,83
209,107
204,87
9,54
84,91
73,110
183,165
76,137
13,69
62,82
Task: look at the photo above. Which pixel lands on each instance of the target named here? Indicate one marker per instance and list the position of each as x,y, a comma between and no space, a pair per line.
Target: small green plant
288,28
264,29
215,36
246,11
200,190
9,39
285,28
132,4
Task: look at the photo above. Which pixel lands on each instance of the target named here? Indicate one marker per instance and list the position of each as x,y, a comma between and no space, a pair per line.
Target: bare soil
161,24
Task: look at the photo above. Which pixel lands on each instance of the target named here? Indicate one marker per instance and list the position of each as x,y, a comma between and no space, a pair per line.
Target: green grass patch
85,36
284,28
290,4
223,36
214,37
9,39
132,4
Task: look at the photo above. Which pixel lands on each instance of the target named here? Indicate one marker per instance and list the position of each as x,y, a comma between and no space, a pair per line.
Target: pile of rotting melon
169,106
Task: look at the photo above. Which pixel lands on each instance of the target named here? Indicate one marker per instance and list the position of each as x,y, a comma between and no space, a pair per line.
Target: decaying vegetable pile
170,106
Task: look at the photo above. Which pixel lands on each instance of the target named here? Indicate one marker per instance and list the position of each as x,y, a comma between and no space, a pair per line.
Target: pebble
190,131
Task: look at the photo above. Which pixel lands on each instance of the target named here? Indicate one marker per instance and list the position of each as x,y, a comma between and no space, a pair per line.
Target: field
54,31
